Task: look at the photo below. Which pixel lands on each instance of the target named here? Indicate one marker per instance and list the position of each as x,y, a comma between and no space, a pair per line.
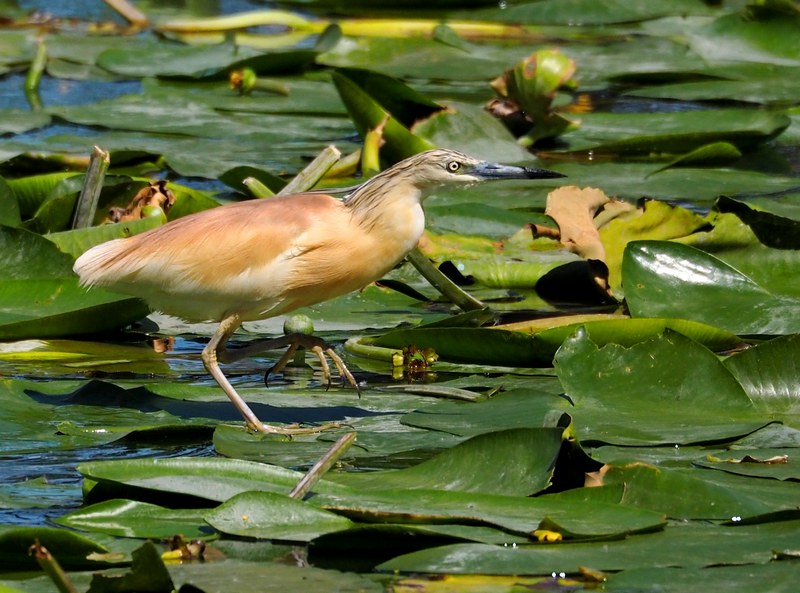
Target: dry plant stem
442,283
52,568
540,230
308,177
322,466
92,186
129,12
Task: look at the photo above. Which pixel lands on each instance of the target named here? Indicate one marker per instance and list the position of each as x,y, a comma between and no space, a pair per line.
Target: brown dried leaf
573,209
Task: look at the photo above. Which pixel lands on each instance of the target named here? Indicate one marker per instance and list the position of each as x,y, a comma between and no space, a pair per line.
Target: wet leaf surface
676,400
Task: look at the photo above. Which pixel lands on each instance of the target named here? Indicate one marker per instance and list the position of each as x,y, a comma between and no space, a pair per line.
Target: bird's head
437,167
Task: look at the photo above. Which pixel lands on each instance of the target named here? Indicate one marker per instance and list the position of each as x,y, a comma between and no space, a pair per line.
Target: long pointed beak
494,171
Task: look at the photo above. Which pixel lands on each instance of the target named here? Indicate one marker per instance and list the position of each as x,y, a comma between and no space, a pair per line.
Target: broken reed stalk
51,568
258,189
92,186
322,466
129,12
316,169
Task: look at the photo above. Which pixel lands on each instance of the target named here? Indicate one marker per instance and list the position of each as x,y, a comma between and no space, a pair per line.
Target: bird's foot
292,429
319,347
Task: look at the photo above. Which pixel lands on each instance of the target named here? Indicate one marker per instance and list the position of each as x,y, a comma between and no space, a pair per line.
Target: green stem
310,176
442,283
257,188
361,346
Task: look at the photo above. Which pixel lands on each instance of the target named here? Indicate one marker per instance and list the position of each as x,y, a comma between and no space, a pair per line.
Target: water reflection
42,486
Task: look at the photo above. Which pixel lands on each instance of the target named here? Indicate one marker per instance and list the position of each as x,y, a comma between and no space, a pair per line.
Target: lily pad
528,457
268,515
41,297
642,386
127,518
71,549
690,546
674,280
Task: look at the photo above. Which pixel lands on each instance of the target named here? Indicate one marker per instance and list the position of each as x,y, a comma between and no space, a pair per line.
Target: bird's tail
95,267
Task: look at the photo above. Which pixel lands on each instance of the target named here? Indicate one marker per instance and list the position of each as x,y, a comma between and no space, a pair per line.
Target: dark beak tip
542,174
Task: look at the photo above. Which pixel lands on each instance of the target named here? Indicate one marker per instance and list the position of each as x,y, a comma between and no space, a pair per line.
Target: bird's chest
389,238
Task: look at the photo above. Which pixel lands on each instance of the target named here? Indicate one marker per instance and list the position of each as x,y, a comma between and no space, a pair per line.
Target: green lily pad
667,389
768,373
16,121
41,297
9,207
780,576
759,34
778,464
128,518
673,280
690,546
715,495
673,133
537,346
592,517
585,12
267,577
268,515
528,457
143,59
71,549
210,479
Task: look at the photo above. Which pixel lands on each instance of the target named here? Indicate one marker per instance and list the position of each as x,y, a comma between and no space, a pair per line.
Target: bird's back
257,258
206,265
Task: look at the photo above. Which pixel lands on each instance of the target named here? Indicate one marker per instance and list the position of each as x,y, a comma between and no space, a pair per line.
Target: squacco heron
262,258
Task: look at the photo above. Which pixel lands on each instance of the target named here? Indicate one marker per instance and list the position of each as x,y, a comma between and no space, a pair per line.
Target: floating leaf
128,518
71,549
211,479
535,344
673,133
691,546
268,515
528,457
769,374
669,279
715,495
41,297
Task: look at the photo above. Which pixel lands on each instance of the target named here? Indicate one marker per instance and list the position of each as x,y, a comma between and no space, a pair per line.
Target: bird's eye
453,166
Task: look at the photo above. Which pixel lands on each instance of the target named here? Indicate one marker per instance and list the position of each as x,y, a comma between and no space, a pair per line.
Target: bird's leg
214,350
292,342
319,347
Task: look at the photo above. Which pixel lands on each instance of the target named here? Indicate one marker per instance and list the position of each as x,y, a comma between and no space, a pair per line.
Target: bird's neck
389,207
